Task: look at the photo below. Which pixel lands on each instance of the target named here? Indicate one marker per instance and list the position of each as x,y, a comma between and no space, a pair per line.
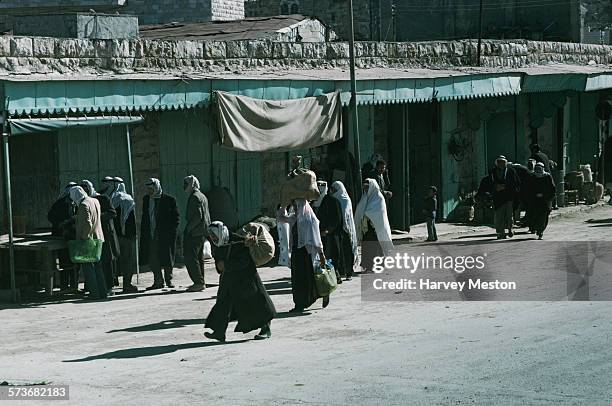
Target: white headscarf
77,194
539,171
156,185
219,230
124,201
372,206
89,188
192,183
348,223
309,235
322,186
110,186
66,191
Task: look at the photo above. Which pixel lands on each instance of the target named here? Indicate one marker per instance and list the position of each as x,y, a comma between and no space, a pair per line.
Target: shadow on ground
162,325
141,352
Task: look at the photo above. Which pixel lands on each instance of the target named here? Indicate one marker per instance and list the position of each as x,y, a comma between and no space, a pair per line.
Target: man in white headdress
196,228
125,226
89,225
506,186
61,216
158,233
110,249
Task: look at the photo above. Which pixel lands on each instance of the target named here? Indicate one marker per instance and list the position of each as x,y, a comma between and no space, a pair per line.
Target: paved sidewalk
418,232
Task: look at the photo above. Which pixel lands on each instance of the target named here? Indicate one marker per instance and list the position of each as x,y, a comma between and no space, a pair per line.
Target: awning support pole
131,168
353,105
9,204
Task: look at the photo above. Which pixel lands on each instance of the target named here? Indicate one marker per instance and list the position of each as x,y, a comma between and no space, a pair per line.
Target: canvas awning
38,125
254,125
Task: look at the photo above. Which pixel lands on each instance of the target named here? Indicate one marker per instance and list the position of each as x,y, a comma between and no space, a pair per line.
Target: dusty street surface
149,349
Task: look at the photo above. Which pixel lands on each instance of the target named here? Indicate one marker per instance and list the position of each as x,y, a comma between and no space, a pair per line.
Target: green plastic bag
85,251
325,278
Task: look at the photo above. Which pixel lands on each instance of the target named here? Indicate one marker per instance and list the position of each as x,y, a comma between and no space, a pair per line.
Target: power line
429,8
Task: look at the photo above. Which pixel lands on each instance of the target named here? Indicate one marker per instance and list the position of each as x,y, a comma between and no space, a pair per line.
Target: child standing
431,205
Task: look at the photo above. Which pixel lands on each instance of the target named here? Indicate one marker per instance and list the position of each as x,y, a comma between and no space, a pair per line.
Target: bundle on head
302,186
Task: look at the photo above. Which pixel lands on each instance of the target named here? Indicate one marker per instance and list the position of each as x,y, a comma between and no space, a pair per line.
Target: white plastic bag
207,250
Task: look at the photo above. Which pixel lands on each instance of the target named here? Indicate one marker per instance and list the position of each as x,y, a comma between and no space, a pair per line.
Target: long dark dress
241,292
303,285
167,222
543,189
330,217
346,258
370,248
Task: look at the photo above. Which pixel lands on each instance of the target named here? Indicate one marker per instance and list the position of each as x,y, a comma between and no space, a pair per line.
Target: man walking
198,220
505,184
158,232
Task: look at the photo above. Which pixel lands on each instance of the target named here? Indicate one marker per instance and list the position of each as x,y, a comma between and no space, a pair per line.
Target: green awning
38,125
557,82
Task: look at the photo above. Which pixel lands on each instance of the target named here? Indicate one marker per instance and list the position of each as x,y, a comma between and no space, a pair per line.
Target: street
149,348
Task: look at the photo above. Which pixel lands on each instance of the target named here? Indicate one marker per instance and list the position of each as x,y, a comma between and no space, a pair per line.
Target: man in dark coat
60,215
110,249
329,212
158,232
539,156
196,229
506,185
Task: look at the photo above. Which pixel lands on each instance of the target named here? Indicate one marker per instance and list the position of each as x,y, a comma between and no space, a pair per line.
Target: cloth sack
302,186
325,278
263,248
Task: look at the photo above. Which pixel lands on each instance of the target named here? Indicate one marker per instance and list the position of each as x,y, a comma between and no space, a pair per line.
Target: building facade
147,11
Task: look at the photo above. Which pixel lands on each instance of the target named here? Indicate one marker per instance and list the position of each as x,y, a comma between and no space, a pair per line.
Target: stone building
147,11
436,119
388,20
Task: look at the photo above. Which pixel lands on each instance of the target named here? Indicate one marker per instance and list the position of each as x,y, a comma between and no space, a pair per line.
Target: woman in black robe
241,292
329,212
543,192
306,246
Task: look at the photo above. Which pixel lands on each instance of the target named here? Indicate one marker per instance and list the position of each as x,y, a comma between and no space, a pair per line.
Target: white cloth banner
255,125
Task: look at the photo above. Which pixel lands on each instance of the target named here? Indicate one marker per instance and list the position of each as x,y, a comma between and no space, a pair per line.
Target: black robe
241,292
303,285
370,248
511,182
330,218
62,210
110,249
166,228
543,191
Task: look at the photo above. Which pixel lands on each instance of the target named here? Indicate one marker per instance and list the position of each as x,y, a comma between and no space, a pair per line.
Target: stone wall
53,55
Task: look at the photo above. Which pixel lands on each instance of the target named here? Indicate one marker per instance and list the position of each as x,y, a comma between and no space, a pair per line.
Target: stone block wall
25,55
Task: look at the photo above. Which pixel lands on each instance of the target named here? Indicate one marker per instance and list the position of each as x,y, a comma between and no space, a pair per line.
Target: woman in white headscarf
348,235
307,248
241,291
372,225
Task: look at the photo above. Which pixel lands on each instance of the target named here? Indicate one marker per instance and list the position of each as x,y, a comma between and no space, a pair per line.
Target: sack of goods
262,248
303,185
325,278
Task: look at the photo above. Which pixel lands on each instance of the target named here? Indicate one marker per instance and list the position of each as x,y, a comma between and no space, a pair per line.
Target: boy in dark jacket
431,206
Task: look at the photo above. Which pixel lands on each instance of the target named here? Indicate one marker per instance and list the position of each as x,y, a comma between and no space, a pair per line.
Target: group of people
311,232
514,187
82,213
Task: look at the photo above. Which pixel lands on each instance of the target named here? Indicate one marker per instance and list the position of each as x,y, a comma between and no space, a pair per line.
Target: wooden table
43,244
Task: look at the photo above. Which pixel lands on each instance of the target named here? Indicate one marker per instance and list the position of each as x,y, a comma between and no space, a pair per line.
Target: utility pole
353,105
479,33
393,20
